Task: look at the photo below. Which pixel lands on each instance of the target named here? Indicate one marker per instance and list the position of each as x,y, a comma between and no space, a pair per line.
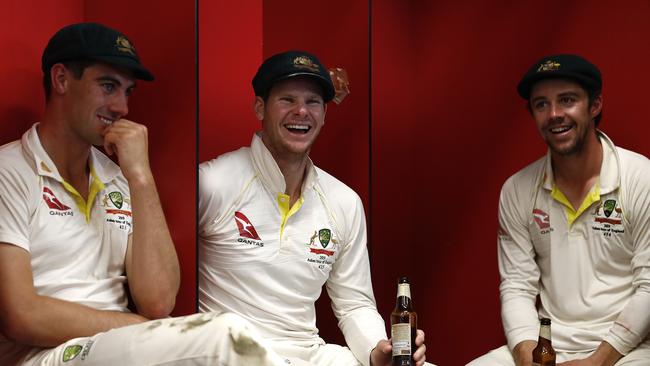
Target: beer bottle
544,354
403,326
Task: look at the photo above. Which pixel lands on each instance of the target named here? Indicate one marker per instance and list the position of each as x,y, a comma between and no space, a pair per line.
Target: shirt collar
609,179
269,171
104,168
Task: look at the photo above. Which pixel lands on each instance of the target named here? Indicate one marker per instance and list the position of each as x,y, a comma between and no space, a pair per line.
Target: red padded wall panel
25,28
230,50
164,35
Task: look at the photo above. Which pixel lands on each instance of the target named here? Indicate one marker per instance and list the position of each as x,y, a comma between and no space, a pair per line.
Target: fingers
419,338
420,354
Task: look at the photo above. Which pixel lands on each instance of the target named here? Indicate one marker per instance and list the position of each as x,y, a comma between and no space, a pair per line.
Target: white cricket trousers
201,339
502,356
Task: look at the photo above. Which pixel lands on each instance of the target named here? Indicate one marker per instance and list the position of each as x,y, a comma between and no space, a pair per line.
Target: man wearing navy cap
574,230
74,226
274,228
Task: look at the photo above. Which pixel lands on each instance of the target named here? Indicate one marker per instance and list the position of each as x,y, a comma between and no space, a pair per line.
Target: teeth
298,127
560,129
105,120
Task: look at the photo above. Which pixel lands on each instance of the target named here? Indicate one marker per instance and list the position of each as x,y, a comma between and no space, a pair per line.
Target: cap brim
139,72
525,86
328,89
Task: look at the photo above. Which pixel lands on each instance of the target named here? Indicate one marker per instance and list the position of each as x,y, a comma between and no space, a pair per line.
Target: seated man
74,226
575,230
273,228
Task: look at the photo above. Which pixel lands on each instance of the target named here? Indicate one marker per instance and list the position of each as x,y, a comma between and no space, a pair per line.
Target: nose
300,108
556,111
119,105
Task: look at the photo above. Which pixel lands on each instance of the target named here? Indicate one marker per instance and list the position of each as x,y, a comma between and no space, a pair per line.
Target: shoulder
338,195
13,163
632,162
524,182
228,171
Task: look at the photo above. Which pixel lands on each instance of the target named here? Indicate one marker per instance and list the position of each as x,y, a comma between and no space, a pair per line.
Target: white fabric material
195,340
71,259
593,277
501,356
273,282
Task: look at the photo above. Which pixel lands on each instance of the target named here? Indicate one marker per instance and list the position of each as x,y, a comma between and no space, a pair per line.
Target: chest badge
324,237
608,218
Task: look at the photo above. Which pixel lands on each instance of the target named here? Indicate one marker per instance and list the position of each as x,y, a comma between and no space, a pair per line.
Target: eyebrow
114,80
570,93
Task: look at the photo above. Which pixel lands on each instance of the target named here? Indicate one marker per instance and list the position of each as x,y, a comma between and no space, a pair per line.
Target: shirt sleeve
517,267
350,289
14,208
209,199
633,323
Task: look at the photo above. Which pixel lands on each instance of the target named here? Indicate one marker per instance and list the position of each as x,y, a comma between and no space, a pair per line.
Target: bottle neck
404,289
545,332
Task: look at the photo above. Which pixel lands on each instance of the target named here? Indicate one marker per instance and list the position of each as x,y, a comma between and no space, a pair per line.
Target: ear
258,108
59,78
596,106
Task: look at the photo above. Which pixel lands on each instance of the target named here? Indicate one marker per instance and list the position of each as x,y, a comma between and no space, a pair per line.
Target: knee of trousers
231,332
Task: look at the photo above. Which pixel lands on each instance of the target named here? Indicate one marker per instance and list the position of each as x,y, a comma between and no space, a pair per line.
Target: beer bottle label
401,337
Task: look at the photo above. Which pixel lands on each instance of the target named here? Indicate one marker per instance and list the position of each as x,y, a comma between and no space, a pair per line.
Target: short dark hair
76,67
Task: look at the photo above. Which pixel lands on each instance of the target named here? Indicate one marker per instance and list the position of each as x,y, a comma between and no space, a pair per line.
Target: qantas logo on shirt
541,218
57,208
246,229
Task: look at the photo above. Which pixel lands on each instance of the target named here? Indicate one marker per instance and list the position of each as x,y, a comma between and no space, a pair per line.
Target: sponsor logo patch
247,232
57,208
542,219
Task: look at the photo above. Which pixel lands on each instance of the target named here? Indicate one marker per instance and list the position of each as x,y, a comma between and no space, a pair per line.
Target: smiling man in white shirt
575,230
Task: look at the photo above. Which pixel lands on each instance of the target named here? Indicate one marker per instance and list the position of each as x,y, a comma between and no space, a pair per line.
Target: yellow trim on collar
96,186
285,211
572,215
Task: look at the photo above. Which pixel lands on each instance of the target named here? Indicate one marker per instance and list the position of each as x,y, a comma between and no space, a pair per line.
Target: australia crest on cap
123,44
304,62
549,66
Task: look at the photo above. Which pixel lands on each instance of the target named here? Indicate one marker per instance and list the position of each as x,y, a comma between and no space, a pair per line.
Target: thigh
639,356
497,357
333,355
199,339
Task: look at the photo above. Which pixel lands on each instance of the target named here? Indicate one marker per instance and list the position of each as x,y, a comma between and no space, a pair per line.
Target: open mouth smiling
560,129
296,128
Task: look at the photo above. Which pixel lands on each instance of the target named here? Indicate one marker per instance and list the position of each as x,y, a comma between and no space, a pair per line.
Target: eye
315,101
286,99
567,100
108,87
540,104
129,91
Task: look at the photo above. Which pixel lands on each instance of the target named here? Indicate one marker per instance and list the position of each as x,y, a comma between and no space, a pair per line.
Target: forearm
47,322
152,265
519,316
633,323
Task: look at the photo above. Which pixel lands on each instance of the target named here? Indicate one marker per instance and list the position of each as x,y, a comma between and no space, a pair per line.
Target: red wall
164,35
230,50
448,128
21,98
